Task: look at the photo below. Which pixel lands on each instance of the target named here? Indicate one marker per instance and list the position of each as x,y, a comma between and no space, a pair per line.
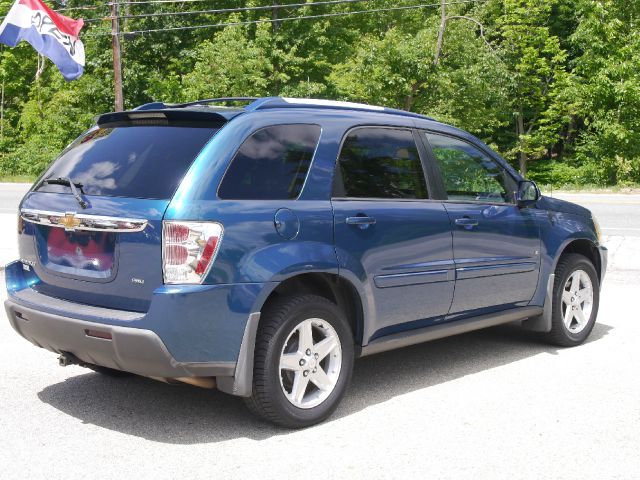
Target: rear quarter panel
251,249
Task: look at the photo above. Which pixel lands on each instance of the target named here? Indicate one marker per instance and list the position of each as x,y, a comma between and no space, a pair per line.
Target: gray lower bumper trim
130,349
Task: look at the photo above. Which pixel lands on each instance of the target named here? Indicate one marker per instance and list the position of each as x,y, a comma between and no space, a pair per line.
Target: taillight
189,249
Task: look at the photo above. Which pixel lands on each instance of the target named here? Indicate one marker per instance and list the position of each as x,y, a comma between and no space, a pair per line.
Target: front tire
576,297
303,361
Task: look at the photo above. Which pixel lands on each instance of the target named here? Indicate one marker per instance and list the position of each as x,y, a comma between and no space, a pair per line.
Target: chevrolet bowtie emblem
69,221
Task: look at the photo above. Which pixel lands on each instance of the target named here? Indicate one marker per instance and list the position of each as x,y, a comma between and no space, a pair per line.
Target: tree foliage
553,85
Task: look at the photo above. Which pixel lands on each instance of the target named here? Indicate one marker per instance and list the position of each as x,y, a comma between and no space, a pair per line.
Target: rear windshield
130,161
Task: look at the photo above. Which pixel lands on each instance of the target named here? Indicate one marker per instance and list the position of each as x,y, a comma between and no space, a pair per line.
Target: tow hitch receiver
65,359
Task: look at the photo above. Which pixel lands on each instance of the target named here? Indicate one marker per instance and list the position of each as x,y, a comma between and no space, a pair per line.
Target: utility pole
443,24
117,60
2,111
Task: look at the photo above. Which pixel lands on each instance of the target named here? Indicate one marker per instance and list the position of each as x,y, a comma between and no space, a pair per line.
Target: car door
388,233
496,244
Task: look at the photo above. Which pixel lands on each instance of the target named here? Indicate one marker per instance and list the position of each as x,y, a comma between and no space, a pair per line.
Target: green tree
231,64
539,77
608,90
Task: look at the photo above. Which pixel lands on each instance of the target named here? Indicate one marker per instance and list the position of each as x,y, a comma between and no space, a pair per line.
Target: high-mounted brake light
188,250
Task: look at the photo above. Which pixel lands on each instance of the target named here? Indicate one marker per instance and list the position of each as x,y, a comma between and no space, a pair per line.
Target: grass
573,188
17,178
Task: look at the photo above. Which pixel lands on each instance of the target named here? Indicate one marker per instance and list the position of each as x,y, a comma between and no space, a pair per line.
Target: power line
226,10
243,9
147,2
303,17
87,7
151,2
271,7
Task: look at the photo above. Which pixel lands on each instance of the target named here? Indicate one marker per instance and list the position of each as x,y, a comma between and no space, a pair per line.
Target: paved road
490,404
10,196
618,214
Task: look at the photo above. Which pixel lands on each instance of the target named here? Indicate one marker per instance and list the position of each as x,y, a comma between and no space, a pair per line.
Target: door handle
466,222
361,221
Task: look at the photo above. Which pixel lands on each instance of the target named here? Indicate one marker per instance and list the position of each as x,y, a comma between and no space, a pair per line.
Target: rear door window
380,163
130,161
272,164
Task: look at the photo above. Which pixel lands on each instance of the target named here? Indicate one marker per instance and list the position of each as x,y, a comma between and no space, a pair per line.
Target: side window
272,164
381,163
468,173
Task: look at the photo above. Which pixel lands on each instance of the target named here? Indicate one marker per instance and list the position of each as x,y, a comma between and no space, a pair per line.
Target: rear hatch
92,226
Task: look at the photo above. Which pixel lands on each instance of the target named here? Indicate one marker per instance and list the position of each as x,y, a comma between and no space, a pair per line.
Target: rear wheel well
586,248
333,288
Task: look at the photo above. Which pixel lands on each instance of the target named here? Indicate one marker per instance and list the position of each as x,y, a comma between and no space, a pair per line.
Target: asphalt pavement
490,404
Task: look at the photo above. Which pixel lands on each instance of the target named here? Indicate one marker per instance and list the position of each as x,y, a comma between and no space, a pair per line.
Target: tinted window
468,173
381,163
272,164
130,161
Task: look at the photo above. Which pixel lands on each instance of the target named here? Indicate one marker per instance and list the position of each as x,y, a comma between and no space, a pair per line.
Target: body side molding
412,337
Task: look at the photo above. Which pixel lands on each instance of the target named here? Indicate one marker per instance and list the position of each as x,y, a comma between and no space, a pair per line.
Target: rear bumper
188,331
133,350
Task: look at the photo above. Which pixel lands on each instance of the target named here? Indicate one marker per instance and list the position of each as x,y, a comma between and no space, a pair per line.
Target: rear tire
303,361
576,297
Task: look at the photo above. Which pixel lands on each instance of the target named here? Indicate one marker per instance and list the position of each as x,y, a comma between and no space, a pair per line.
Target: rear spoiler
162,117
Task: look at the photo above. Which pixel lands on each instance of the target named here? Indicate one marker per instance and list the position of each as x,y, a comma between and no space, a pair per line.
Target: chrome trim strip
72,221
414,278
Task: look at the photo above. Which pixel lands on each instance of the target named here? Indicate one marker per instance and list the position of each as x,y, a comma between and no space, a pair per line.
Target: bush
556,174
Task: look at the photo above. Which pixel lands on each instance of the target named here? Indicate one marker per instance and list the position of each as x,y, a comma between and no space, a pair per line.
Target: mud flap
542,323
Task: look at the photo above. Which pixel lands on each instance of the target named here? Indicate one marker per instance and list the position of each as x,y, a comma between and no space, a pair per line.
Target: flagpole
117,60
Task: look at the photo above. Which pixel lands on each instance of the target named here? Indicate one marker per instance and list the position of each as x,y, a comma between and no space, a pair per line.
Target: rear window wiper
71,184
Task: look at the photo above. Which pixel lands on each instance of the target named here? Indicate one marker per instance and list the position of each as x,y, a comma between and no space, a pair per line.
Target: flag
51,34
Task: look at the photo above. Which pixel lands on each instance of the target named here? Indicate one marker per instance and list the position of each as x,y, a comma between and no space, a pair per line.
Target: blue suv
260,248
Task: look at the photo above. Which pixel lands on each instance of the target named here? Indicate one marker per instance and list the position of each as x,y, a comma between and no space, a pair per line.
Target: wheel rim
577,301
310,363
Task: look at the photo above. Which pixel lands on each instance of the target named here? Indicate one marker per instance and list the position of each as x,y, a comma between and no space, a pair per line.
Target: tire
568,268
109,372
281,341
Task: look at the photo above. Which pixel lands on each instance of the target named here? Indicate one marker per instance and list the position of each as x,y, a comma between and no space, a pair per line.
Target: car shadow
182,414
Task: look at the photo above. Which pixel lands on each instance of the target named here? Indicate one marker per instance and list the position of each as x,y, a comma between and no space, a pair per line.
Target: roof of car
253,104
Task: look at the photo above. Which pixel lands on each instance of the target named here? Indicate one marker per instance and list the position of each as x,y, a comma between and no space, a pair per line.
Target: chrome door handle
361,221
466,222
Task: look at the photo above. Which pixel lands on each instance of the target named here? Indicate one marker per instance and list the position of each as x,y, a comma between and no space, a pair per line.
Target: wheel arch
582,246
331,286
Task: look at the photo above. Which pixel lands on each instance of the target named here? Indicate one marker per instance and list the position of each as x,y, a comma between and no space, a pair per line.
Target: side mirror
527,194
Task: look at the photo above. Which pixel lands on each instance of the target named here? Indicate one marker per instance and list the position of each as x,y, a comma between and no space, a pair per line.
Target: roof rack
282,102
255,103
206,101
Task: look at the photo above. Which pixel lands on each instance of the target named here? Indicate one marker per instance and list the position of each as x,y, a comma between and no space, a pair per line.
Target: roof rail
255,103
215,100
281,102
162,105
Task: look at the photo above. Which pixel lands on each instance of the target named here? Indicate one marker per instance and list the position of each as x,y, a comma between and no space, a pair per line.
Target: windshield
129,161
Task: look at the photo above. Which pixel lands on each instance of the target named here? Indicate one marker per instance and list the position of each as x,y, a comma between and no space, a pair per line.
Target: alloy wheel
577,301
310,363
